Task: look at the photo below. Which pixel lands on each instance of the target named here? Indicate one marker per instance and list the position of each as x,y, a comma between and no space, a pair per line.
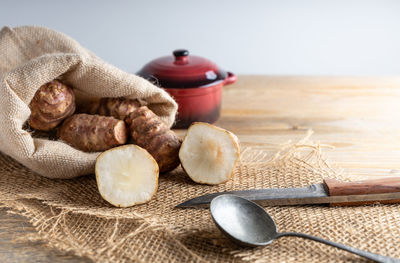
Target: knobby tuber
52,103
151,133
92,133
118,108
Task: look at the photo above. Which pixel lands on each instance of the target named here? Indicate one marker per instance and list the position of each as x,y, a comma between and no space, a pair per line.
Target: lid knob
181,53
181,56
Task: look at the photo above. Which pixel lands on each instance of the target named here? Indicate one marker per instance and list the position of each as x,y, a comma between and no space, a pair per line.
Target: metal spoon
248,224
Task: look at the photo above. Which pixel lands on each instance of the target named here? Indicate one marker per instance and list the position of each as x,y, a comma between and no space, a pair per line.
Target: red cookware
194,82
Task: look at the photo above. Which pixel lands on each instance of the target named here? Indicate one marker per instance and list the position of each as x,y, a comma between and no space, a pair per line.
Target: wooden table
359,116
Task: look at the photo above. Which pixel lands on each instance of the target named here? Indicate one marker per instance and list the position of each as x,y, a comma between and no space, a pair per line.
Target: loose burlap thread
71,215
32,56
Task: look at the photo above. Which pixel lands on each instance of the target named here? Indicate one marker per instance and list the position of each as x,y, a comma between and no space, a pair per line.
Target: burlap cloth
32,56
72,216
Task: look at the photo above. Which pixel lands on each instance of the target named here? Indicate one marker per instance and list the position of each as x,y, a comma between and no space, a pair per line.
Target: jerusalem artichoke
209,154
150,132
126,175
52,103
118,108
92,133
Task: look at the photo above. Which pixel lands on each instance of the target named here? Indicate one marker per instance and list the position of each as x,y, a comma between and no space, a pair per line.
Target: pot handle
230,79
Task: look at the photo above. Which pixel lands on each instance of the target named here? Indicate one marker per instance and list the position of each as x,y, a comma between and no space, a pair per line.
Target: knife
331,191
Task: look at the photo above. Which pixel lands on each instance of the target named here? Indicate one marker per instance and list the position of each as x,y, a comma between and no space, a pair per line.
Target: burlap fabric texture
31,56
72,216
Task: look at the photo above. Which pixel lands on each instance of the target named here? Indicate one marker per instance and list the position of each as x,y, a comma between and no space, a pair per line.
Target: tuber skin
118,108
52,103
93,133
150,132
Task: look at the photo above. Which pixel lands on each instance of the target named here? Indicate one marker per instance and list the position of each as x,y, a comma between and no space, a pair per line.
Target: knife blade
331,191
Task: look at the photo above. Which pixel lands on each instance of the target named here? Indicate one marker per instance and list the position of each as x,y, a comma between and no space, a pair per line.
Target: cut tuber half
126,175
209,154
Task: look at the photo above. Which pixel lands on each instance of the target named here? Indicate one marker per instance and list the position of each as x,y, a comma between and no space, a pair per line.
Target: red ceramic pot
194,82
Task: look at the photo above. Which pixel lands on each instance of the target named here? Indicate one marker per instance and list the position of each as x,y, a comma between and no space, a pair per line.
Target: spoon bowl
248,224
244,222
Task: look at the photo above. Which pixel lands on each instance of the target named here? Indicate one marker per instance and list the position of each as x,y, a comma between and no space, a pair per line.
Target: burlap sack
31,56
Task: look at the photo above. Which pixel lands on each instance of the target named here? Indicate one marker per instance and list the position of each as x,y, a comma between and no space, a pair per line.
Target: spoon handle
365,254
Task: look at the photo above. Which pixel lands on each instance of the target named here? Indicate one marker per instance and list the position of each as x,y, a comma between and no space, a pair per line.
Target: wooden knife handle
374,186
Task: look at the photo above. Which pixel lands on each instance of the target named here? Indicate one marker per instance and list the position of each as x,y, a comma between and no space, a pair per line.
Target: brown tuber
93,133
150,132
118,108
52,103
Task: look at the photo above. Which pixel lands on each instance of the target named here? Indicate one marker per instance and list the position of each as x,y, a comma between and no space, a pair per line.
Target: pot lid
182,70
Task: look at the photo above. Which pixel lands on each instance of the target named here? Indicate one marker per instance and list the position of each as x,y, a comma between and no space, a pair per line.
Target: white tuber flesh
126,175
209,154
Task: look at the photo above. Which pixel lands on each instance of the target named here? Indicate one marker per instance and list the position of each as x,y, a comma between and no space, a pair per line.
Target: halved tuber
52,103
126,175
209,154
150,132
118,108
93,133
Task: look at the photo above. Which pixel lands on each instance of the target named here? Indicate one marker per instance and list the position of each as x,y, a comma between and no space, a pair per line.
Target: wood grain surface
359,116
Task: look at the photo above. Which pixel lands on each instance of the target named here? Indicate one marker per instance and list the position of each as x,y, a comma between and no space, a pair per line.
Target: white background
247,37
